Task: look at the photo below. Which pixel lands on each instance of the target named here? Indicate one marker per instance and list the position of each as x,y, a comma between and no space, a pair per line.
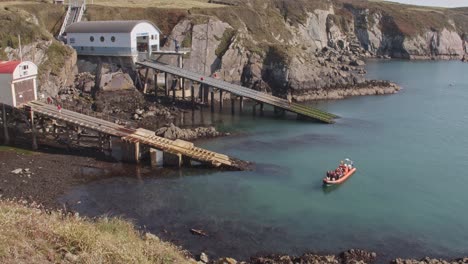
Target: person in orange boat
343,167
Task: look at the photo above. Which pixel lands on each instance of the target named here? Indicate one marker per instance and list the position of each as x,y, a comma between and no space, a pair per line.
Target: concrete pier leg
202,92
261,108
241,104
183,88
156,157
166,82
131,152
221,100
254,110
212,102
33,132
5,126
174,85
233,105
172,160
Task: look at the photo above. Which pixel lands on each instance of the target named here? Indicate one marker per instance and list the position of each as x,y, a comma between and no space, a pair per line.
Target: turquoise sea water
409,196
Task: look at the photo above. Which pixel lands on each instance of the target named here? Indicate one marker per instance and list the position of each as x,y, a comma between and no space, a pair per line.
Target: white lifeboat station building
18,83
114,38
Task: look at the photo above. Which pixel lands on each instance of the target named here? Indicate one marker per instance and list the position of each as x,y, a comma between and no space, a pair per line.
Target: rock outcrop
173,132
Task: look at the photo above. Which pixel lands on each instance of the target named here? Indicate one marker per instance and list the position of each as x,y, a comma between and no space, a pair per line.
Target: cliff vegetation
29,234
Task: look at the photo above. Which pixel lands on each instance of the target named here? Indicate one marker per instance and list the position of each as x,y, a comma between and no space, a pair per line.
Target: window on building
91,39
102,39
152,36
113,39
144,38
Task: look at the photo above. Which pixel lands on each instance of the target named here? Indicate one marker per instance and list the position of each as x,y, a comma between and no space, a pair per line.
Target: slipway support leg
6,136
33,132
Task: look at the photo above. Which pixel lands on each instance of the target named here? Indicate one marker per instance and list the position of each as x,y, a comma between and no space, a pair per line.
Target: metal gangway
75,11
140,135
238,90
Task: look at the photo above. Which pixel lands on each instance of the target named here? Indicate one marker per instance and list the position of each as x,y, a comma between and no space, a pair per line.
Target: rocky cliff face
313,51
380,33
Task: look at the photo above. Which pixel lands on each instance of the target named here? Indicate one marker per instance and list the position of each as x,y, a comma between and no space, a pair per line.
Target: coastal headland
303,50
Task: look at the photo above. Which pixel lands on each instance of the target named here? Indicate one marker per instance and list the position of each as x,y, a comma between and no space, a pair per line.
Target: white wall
21,73
83,40
145,29
6,96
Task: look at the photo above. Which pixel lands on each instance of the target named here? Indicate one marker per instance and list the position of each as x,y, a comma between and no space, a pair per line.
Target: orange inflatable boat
329,181
345,170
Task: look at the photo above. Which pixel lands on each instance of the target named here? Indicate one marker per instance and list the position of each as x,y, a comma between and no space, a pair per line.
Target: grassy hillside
32,235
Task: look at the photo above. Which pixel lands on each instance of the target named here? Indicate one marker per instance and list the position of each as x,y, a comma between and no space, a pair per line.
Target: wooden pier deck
140,135
238,90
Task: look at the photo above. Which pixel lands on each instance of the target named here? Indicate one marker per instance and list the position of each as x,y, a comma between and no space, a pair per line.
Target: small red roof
8,66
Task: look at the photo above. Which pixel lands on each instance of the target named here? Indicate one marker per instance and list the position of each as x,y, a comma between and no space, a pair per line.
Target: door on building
24,92
143,47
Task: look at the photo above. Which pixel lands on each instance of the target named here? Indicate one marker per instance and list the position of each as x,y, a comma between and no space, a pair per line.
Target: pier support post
6,136
33,131
131,152
156,84
166,82
233,104
192,94
145,85
241,104
136,152
183,88
261,108
202,93
221,100
172,160
174,85
212,105
156,157
254,109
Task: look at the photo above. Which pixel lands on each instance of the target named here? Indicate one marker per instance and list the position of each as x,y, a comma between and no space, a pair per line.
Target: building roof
8,66
115,26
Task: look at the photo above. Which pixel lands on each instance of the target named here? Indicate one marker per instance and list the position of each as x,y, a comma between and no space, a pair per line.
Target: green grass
15,21
32,235
17,150
187,42
225,42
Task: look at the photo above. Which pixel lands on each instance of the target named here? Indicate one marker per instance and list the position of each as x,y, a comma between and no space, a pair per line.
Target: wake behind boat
341,174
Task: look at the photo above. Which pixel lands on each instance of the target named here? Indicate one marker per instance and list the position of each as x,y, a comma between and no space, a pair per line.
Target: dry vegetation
32,235
165,4
411,20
